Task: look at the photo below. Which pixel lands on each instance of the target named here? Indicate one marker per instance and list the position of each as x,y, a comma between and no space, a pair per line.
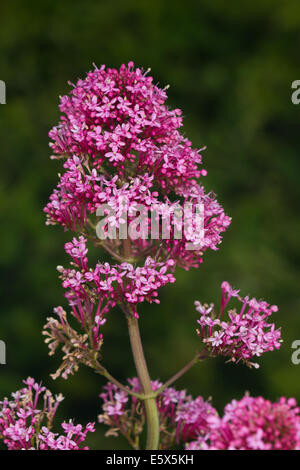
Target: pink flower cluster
245,334
248,424
254,424
24,426
82,191
106,285
115,132
118,118
182,419
74,435
91,294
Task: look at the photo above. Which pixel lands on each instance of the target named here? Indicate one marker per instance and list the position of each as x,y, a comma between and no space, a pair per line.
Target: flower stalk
199,357
142,371
143,374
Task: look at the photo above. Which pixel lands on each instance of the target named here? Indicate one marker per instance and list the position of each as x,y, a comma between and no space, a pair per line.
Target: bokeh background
230,68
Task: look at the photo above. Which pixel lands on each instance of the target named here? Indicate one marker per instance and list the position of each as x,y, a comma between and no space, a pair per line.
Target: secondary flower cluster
254,424
25,426
248,424
91,294
106,285
245,334
182,419
78,348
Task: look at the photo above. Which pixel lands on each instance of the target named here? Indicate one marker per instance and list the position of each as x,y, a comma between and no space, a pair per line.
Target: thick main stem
152,417
143,374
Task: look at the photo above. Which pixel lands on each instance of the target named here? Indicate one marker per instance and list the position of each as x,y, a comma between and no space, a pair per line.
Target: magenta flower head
118,119
244,334
255,424
122,149
26,421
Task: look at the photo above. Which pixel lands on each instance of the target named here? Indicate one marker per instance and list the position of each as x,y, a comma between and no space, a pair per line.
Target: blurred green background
230,67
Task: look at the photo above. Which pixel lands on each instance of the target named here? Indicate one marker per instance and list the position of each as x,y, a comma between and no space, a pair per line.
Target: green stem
143,374
102,371
199,357
152,417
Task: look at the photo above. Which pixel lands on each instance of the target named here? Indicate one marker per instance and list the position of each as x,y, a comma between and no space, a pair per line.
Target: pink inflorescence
26,426
245,334
254,424
91,294
118,118
106,284
182,419
79,195
121,143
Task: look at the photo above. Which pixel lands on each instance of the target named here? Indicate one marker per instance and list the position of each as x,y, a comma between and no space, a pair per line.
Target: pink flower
26,420
245,334
92,294
257,424
181,418
115,116
98,290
